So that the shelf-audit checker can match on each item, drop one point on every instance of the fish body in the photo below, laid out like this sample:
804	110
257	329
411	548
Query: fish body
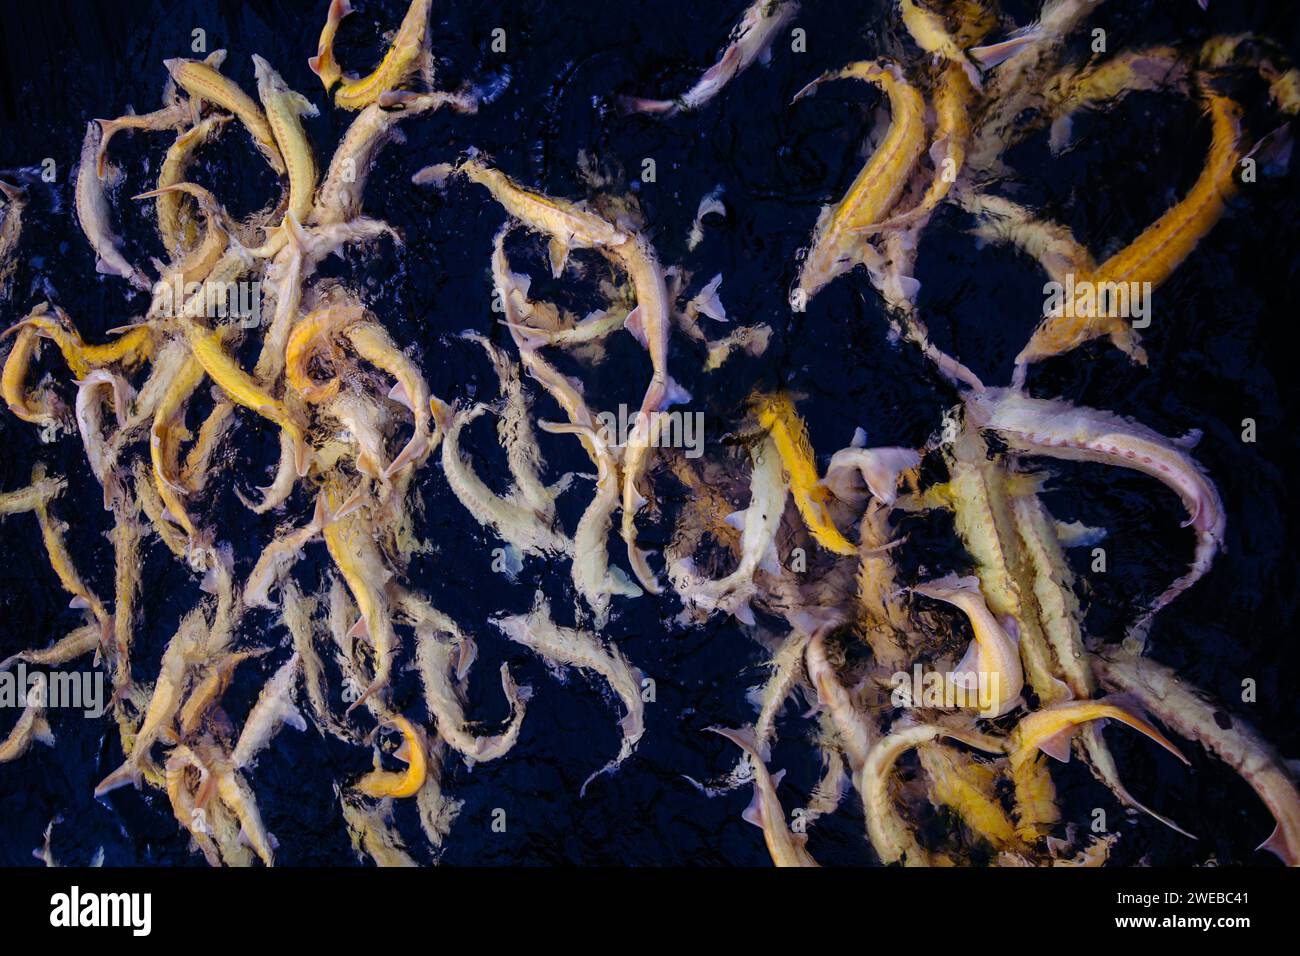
385	783
838	244
372	342
405	55
242	389
100	453
593	577
766	812
777	416
1155	254
567	647
1193	715
96	217
177	233
519	525
993	658
274	708
1057	429
284	111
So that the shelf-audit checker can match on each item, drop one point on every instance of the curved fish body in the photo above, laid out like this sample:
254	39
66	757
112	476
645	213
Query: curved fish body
1051	728
593	577
1057	429
751	40
371	831
766	812
96	216
892	838
198	263
56	547
856	734
567	647
166	434
954	102
838	244
415	751
1153	256
571	225
405	55
991	666
650	323
310	336
99	452
436	659
1193	715
355	553
32	725
182	651
519	525
758	524
279	557
344	184
567	392
205	83
284	111
274	709
177	232
515	429
173	116
372	342
931	35
129	349
777	416
242	389
44	407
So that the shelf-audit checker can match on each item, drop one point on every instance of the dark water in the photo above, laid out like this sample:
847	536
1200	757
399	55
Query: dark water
1217	350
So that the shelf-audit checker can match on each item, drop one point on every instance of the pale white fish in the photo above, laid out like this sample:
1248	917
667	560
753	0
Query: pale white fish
100	452
438	660
366	421
593	577
751	40
1057	429
993	658
710	204
758	524
766	812
786	666
275	708
855	731
96	217
281	487
518	525
515	429
567	647
338	199
278	558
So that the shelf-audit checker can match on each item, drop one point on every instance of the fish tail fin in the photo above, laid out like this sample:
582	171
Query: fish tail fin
996	53
129	772
1126	710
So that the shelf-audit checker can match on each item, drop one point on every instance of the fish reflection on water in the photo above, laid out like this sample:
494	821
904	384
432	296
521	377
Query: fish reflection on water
961	686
